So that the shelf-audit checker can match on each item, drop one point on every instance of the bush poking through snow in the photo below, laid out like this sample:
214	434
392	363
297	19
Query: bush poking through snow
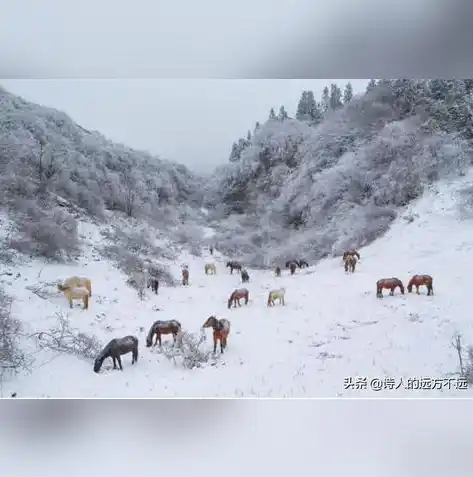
188	351
12	359
465	359
64	339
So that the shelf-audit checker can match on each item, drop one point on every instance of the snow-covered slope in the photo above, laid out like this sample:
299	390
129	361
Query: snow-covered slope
332	327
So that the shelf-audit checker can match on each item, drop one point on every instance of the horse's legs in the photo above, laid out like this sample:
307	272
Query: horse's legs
417	289
282	301
70	302
215	344
120	362
114	362
238	301
430	290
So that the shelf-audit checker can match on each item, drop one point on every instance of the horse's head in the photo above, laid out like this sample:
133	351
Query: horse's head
98	364
210	322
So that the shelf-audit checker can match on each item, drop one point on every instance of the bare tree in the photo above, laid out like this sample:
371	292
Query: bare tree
48	166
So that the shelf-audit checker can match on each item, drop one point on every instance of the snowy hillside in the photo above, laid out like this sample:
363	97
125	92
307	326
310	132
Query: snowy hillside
332	327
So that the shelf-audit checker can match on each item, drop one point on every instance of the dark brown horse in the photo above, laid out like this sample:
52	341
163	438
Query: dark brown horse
288	263
185	276
303	264
352	252
154	284
278	271
419	280
245	278
116	348
390	284
160	328
350	263
233	265
211	250
237	295
221	330
292	267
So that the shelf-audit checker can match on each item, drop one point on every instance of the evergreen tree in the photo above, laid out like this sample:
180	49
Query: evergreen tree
234	153
325	100
272	114
249	136
302	108
257	127
335	97
282	114
371	85
348	93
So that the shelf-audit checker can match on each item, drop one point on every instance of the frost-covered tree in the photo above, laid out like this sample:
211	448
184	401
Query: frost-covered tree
272	114
282	116
371	85
302	111
335	97
325	103
249	136
347	93
257	127
234	153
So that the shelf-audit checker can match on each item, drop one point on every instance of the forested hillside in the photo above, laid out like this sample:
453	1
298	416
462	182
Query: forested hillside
340	172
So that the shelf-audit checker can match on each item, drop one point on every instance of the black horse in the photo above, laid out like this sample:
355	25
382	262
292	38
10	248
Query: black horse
234	266
154	284
116	348
245	278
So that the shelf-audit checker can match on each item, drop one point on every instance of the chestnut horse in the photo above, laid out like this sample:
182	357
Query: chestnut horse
221	330
390	284
278	271
419	280
350	263
210	269
234	266
237	295
154	284
352	252
116	348
245	278
75	293
275	295
185	276
159	328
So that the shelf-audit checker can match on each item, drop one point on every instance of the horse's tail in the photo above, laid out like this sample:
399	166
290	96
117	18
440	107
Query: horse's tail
86	301
247	295
269	298
409	285
230	299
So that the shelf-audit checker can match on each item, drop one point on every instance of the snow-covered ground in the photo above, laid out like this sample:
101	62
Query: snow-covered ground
333	327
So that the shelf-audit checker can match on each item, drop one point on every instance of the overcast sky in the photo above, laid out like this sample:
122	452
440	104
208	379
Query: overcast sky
189	121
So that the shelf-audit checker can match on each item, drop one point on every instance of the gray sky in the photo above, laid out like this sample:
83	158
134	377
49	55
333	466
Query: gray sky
192	121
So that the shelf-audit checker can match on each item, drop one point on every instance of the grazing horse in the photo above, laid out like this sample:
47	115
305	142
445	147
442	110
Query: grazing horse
237	295
210	269
276	295
352	252
77	293
185	276
292	267
234	266
419	280
211	250
78	282
288	263
159	328
154	284
390	284
245	278
278	271
116	348
221	330
303	264
350	263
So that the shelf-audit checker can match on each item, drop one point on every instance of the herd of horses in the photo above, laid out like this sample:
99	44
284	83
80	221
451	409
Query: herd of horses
80	288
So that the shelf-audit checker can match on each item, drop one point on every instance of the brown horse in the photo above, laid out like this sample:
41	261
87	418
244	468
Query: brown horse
237	295
233	265
221	330
154	284
159	328
419	280
278	271
352	252
350	263
185	276
390	284
78	282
